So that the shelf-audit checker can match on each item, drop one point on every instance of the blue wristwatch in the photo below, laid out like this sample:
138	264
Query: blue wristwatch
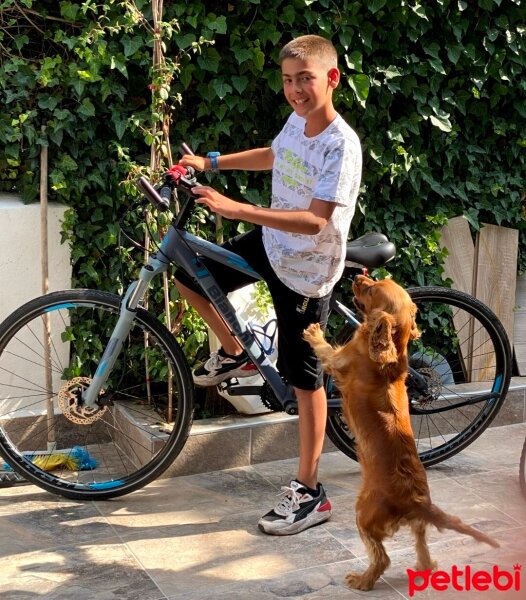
213	160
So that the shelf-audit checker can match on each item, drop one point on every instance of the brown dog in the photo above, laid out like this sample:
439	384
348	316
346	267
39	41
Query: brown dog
370	372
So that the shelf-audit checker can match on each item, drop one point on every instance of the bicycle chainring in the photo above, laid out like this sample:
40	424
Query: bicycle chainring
68	401
269	399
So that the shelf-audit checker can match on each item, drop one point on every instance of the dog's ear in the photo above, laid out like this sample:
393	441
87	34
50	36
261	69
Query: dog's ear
381	345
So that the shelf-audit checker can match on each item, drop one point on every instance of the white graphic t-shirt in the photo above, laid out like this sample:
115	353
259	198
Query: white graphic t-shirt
325	167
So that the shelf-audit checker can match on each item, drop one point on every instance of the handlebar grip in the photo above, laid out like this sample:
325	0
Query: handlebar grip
186	149
166	195
146	187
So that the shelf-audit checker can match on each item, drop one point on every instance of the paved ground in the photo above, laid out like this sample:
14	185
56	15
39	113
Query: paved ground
195	537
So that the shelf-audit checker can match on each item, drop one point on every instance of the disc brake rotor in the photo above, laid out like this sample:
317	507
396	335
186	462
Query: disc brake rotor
68	401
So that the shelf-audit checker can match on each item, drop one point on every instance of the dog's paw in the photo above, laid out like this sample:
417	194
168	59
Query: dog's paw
357	581
432	566
313	333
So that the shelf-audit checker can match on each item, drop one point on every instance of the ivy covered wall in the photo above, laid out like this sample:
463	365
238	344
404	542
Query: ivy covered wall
436	92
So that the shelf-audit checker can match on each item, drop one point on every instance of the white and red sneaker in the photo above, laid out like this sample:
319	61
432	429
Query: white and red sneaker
221	366
296	511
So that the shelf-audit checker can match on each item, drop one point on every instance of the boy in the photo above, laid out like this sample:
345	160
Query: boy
298	248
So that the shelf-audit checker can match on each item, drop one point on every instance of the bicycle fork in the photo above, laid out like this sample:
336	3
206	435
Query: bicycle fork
130	302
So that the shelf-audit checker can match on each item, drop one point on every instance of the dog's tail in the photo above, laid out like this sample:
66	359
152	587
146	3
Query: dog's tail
441	520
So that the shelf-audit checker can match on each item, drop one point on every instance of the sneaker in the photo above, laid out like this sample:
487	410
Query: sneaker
220	366
297	510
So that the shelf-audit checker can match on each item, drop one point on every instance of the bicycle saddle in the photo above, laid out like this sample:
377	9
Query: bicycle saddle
371	250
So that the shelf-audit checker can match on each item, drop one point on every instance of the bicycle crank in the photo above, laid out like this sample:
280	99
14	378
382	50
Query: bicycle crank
68	400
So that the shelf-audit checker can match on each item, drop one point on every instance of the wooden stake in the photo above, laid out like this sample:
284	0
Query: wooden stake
44	254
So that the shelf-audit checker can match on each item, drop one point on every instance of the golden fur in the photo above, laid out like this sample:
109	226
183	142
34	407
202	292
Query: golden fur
370	372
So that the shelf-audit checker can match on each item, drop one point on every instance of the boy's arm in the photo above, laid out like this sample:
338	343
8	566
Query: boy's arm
309	221
258	159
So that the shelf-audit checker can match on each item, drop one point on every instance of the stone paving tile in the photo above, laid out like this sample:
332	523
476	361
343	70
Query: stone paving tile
459	553
31	519
232	550
196	537
501	488
189	499
322	582
101	571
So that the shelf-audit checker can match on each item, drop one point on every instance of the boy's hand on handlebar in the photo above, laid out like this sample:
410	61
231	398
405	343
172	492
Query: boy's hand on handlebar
215	201
199	163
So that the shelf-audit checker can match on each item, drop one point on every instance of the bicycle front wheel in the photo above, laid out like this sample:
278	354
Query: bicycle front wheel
463	359
49	350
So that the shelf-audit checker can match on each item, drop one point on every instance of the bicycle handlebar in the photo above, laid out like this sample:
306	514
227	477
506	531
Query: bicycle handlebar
177	177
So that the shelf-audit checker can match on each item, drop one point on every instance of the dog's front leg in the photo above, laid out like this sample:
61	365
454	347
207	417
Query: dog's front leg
324	351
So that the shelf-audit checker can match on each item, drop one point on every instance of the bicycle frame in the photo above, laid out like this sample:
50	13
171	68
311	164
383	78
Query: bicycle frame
184	249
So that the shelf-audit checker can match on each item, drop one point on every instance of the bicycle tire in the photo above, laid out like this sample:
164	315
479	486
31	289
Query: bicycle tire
467	358
130	436
522	470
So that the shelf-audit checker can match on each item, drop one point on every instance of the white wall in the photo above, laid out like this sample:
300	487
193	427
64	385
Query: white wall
20	255
22	381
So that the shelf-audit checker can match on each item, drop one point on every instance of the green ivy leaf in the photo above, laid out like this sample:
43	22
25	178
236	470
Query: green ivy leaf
131	44
354	60
258	58
86	108
453	53
275	80
186	75
242	54
240	83
442	122
217	24
221	88
360	86
209	61
184	40
375	5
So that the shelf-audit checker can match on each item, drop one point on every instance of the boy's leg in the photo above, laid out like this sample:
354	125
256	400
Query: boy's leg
230	360
312	411
211	317
303	503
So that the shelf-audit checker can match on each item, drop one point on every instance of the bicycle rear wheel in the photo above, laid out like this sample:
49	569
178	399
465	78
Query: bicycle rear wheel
49	350
464	358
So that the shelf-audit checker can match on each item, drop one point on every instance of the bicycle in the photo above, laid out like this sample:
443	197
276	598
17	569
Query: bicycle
92	369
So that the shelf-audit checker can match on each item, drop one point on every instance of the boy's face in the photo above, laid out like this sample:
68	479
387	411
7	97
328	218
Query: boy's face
308	85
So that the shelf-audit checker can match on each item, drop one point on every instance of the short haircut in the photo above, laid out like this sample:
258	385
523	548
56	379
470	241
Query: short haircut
311	46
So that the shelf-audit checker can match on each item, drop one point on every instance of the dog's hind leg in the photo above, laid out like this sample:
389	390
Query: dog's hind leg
423	558
378	559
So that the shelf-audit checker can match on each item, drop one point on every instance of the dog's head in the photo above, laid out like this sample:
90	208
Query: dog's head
389	317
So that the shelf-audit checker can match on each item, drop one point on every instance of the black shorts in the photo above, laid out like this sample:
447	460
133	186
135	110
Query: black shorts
297	363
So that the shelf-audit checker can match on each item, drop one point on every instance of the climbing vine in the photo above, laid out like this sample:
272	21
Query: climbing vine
436	92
